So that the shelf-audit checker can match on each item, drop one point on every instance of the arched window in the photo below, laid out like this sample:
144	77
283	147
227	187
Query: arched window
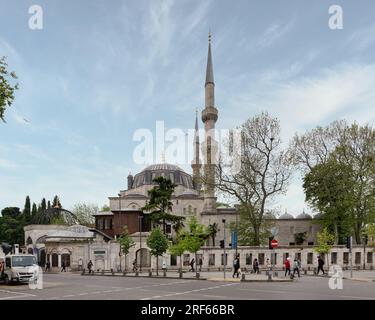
29	241
189	208
55	260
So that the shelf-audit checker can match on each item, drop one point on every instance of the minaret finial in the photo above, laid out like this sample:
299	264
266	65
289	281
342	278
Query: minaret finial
163	157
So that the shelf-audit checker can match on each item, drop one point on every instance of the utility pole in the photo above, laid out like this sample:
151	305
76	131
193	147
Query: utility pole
225	255
140	243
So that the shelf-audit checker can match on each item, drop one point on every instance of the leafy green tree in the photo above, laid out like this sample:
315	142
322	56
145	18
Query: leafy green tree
105	208
160	204
370	232
27	210
7	88
325	241
126	242
194	238
11	226
158	244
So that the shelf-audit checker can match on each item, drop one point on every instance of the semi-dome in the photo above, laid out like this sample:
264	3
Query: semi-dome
304	215
166	170
286	216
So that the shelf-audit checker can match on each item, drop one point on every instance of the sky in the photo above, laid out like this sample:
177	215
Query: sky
100	70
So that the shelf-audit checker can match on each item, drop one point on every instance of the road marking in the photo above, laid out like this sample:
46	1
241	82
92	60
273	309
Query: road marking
188	292
20	295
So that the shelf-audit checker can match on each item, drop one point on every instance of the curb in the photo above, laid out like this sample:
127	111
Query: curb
360	279
148	277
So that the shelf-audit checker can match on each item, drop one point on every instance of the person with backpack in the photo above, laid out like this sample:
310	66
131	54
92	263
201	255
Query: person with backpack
296	266
236	266
287	266
320	265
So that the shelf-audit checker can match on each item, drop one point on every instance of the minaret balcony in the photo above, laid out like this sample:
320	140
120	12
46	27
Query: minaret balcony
209	113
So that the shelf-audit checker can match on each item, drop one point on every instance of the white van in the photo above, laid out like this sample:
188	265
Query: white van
20	268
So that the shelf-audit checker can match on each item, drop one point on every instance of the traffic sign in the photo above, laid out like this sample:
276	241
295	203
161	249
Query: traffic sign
274	243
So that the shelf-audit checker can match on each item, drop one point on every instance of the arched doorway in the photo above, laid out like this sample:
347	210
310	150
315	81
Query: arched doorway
55	260
65	258
143	258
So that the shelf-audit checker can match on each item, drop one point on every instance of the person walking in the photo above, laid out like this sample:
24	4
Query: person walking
192	265
268	264
200	262
63	267
287	266
256	266
296	266
89	266
320	265
48	267
236	266
134	265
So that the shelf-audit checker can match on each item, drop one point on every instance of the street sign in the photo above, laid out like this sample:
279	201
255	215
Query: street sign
234	240
274	243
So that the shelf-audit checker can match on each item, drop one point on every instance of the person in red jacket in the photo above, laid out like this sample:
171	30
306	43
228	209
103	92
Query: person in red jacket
287	266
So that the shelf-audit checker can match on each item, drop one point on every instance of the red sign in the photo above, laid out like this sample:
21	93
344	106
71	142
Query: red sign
274	243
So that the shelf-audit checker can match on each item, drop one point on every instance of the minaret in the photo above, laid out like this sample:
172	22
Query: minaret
196	165
209	118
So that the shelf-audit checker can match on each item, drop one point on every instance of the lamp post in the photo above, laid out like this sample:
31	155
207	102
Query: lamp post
140	242
225	257
120	255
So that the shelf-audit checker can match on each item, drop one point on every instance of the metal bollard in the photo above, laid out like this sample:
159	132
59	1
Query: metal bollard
197	275
136	273
164	273
242	276
180	274
150	273
83	272
276	274
269	277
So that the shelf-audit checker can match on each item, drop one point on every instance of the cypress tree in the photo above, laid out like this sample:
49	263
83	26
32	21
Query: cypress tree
34	213
27	210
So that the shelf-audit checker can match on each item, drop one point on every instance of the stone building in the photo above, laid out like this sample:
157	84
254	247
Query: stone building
77	245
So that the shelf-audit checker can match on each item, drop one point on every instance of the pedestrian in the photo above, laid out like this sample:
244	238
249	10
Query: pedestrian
192	265
287	266
48	266
320	264
256	266
268	264
164	266
134	265
200	262
89	266
296	266
236	266
63	266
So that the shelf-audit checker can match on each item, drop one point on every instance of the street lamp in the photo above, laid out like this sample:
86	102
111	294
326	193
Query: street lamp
225	257
119	198
140	242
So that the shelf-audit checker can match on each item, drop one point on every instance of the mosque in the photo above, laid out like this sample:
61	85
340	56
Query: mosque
77	245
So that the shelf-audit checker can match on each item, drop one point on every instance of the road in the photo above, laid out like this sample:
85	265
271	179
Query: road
74	286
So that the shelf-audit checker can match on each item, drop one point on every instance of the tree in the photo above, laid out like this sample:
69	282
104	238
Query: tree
27	210
126	242
11	226
325	241
300	237
49	204
213	229
370	232
34	213
7	88
194	238
347	151
105	208
158	244
160	203
260	170
85	213
178	249
43	205
327	190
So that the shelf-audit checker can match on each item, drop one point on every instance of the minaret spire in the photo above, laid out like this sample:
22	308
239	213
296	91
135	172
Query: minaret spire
210	69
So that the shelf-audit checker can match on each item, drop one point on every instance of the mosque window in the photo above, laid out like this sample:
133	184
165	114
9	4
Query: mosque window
334	258
211	259
168	228
357	258
186	259
249	259
369	257
310	258
346	258
224	262
189	208
261	259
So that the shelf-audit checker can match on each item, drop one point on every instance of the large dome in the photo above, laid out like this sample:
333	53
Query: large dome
166	170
